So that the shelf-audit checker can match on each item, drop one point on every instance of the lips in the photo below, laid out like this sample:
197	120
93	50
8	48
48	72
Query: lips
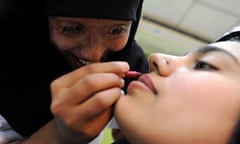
145	79
79	62
84	62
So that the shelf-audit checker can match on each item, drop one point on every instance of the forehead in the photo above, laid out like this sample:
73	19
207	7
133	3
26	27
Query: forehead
230	46
89	21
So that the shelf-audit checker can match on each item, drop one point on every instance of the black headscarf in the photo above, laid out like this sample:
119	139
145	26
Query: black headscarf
28	61
28	65
103	9
107	9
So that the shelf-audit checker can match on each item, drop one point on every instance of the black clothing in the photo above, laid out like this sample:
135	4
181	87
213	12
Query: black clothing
121	141
104	9
29	62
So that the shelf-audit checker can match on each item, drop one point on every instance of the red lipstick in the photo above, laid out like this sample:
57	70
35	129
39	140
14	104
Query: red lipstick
132	74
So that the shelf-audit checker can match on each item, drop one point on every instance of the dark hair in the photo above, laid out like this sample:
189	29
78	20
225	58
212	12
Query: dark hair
233	35
235	138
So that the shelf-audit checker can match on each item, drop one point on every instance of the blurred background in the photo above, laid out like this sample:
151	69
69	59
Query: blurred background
176	26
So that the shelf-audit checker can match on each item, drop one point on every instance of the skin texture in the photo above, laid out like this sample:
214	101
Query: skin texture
67	111
190	99
90	40
82	100
82	104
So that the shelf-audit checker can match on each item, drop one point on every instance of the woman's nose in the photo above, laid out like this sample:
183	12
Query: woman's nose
95	48
161	64
95	54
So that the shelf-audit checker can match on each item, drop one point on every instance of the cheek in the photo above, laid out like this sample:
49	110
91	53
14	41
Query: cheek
135	117
202	85
203	89
62	43
118	44
196	105
210	99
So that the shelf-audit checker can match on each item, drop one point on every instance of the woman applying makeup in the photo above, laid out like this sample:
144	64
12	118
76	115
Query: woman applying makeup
62	69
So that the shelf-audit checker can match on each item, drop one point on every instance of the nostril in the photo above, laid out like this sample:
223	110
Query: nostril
154	67
161	66
166	61
155	64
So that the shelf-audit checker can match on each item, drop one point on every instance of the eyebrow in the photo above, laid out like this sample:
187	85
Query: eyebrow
207	49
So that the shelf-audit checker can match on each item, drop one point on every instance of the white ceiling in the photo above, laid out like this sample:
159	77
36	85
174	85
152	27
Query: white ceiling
205	19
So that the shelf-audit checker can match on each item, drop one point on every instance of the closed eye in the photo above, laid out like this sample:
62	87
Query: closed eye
201	65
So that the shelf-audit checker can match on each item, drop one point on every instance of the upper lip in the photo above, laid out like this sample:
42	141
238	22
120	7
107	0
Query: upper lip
145	78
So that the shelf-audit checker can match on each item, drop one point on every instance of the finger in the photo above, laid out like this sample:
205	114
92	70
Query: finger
69	79
93	115
87	87
100	102
94	126
82	91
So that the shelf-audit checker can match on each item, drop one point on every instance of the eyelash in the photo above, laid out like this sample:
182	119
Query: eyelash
75	29
201	65
71	29
116	31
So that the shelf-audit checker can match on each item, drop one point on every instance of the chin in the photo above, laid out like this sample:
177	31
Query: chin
132	128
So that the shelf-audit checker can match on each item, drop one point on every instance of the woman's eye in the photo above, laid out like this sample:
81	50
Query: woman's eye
71	29
116	31
200	65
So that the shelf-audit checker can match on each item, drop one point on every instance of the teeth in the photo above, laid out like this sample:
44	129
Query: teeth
85	62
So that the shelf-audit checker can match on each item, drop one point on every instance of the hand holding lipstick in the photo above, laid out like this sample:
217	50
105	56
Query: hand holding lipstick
132	74
83	98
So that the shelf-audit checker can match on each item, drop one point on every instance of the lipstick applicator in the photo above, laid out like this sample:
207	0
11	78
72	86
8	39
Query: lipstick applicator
132	74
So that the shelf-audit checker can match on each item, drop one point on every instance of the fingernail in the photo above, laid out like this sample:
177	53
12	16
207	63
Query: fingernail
122	93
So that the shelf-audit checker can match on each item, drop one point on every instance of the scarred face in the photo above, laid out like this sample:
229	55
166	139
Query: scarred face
87	40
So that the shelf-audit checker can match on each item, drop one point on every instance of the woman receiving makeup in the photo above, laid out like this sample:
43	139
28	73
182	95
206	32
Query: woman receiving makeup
190	99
